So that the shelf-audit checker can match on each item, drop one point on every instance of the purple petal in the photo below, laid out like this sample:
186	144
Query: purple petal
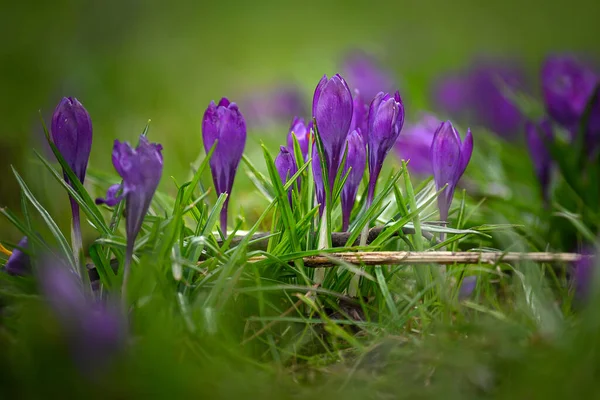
302	133
355	162
19	263
467	286
541	158
317	94
445	161
465	154
414	144
112	199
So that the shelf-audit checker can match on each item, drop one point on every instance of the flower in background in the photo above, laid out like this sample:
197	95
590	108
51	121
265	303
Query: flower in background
449	159
141	170
18	262
72	134
360	112
479	93
467	286
583	274
535	134
285	163
355	163
302	133
226	124
94	330
332	109
318	178
365	74
272	106
415	143
386	118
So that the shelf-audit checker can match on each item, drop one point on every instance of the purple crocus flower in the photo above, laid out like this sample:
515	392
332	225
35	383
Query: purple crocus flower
18	262
415	142
386	118
467	286
141	170
318	178
451	94
302	133
366	75
449	159
332	109
355	163
264	107
226	124
542	161
567	86
285	163
360	113
94	330
72	134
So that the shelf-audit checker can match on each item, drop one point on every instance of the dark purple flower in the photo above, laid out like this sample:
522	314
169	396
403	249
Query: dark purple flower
386	118
360	113
94	330
467	286
285	163
567	86
72	134
366	75
141	170
415	143
540	156
449	159
355	162
332	109
302	133
318	178
19	263
226	124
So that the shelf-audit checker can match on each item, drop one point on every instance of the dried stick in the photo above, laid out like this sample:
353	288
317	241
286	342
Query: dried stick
431	257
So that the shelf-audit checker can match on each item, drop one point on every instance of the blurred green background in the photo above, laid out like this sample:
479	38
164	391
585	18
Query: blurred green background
130	61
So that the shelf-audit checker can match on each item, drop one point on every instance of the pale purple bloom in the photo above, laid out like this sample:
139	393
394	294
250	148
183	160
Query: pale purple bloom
415	143
19	263
141	170
355	163
386	118
536	134
449	159
302	133
365	74
332	109
285	163
467	286
273	105
318	178
226	124
94	330
72	134
451	94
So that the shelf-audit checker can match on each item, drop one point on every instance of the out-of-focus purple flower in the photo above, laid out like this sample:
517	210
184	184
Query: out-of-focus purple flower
226	124
451	94
415	143
583	274
332	109
356	160
141	170
285	163
360	113
365	74
449	159
318	178
302	133
542	161
386	118
567	86
72	134
467	286
19	263
95	331
276	105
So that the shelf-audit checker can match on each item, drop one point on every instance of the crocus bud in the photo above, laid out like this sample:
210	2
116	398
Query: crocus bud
567	86
386	118
355	163
72	134
226	124
318	178
449	159
302	133
332	108
542	161
19	263
141	170
366	75
285	163
94	330
415	142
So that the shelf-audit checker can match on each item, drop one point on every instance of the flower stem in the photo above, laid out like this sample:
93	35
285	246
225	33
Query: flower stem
77	244
126	272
